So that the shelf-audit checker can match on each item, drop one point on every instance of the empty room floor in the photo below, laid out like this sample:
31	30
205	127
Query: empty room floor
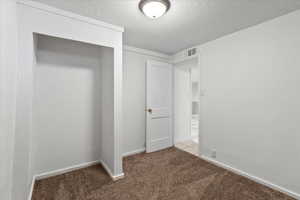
170	174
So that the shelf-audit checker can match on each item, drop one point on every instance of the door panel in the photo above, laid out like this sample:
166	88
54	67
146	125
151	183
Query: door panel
159	106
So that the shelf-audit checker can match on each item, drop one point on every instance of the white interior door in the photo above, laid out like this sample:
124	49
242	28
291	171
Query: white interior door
159	106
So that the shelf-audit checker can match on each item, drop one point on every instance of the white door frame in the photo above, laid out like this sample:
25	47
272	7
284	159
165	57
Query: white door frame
200	96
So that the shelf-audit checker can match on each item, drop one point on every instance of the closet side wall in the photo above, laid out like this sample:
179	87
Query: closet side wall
107	108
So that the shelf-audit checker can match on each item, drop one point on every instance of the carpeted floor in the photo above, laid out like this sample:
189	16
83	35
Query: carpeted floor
170	174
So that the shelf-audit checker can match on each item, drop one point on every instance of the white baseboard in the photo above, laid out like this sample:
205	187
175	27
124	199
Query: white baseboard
113	177
65	170
134	152
69	169
31	188
254	178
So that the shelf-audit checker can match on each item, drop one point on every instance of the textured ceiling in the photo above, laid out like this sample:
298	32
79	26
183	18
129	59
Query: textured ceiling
188	22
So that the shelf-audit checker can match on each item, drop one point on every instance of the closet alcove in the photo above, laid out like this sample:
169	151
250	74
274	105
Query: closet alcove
73	103
69	95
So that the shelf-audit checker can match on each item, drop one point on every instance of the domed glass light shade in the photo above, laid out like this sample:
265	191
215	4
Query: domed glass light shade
154	8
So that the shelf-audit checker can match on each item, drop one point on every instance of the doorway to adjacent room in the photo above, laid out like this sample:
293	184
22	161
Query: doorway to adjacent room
187	105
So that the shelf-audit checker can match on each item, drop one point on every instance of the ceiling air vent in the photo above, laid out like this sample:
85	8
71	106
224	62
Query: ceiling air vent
192	52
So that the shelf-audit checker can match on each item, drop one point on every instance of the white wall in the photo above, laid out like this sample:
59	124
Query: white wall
107	108
250	111
8	63
3	135
134	99
67	104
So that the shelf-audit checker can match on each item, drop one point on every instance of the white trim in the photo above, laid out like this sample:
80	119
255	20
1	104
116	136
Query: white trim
130	153
68	14
65	170
118	110
251	177
113	177
146	52
31	187
200	136
70	169
182	59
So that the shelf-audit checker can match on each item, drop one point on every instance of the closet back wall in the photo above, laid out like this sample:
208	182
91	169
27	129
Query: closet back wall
67	104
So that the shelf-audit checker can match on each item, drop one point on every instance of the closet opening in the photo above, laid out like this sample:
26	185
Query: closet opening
73	104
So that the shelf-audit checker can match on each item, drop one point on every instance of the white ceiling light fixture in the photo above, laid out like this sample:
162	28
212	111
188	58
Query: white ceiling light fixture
154	8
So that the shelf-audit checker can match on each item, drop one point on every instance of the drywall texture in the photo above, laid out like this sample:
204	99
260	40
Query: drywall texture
134	100
250	112
8	64
73	104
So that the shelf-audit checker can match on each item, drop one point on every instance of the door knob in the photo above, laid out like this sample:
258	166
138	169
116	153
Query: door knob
149	110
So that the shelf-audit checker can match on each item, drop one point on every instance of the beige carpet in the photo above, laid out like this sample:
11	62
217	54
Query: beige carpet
170	174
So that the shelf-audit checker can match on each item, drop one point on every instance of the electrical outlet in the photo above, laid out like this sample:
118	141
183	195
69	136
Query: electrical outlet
214	153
